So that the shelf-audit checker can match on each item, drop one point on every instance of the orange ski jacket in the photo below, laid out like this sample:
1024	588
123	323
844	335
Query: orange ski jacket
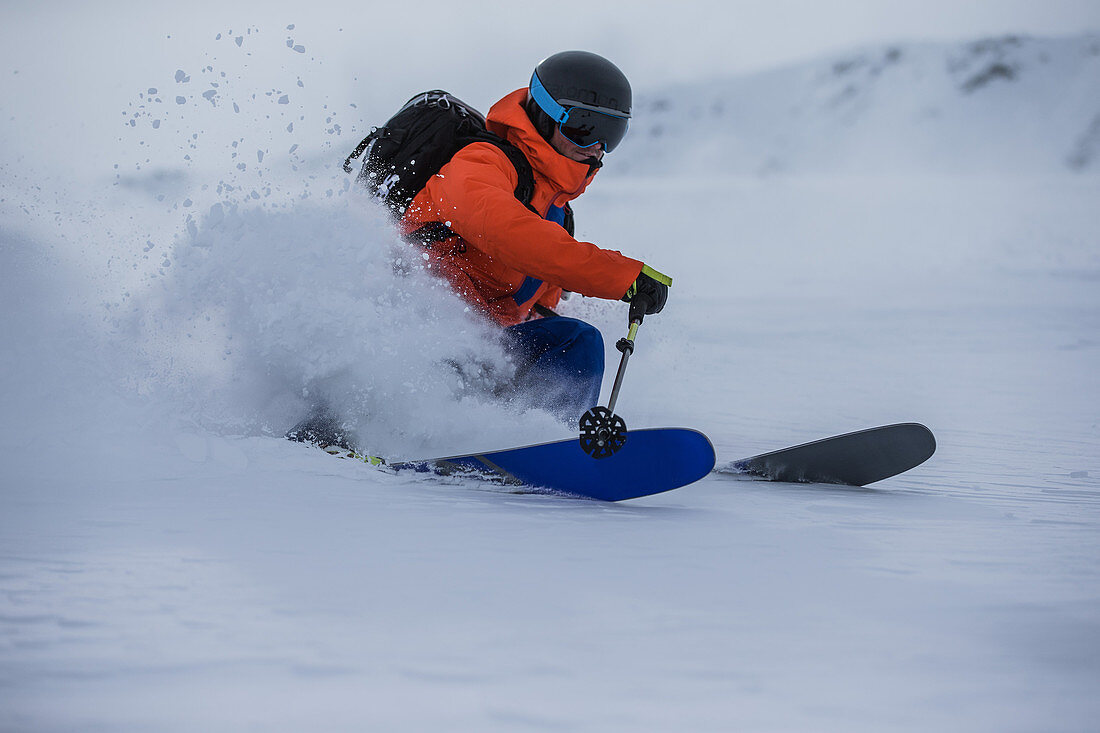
506	257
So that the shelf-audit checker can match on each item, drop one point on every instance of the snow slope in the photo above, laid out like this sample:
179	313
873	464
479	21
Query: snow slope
168	562
1006	106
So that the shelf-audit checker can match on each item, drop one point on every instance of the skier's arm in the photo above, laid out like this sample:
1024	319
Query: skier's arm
473	195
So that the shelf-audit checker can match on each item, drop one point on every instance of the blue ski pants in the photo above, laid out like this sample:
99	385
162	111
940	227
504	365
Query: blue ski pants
559	364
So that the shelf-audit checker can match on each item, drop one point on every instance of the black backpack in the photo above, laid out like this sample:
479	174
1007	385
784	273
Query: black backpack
403	154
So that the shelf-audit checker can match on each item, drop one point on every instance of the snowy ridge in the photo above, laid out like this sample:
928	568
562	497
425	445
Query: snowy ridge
1012	105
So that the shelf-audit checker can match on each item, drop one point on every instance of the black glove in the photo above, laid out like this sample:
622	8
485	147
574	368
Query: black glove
647	294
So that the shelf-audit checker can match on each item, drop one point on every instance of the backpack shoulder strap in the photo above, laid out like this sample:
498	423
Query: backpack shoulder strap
525	188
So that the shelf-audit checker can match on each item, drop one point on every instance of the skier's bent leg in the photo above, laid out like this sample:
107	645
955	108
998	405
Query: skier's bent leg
559	364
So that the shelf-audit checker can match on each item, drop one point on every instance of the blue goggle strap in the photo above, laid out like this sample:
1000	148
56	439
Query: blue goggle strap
548	104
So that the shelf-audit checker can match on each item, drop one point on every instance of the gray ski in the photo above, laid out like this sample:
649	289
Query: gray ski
856	459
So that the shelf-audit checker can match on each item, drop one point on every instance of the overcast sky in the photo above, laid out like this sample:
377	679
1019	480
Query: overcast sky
659	40
656	41
663	40
67	59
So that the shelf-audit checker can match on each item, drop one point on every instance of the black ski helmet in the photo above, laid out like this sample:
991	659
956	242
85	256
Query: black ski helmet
583	94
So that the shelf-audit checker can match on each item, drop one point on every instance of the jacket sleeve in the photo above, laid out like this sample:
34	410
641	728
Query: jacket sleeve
473	194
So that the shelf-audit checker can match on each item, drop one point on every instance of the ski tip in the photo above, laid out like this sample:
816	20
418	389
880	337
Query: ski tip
856	459
921	436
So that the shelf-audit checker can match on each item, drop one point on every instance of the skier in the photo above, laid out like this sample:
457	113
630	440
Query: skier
512	262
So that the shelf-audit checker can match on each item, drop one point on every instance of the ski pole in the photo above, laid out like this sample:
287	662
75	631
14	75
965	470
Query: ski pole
626	346
602	431
638	307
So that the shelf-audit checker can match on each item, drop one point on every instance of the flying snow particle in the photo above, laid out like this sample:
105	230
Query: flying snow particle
181	100
285	99
182	77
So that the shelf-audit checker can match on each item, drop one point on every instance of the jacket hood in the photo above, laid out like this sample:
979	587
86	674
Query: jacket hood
509	119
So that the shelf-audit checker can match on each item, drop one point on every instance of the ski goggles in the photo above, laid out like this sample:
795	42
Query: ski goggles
582	124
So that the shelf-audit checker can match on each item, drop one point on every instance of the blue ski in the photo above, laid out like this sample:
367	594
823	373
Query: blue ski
650	461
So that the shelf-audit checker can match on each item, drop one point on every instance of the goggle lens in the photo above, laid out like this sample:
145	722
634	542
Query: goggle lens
586	127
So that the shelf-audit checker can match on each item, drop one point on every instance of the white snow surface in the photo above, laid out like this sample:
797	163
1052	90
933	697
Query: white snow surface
911	251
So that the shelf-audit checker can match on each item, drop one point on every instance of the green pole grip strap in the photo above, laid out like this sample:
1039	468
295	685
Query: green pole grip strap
658	276
633	330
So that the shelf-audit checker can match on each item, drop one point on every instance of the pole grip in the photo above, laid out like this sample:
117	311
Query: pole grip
639	304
